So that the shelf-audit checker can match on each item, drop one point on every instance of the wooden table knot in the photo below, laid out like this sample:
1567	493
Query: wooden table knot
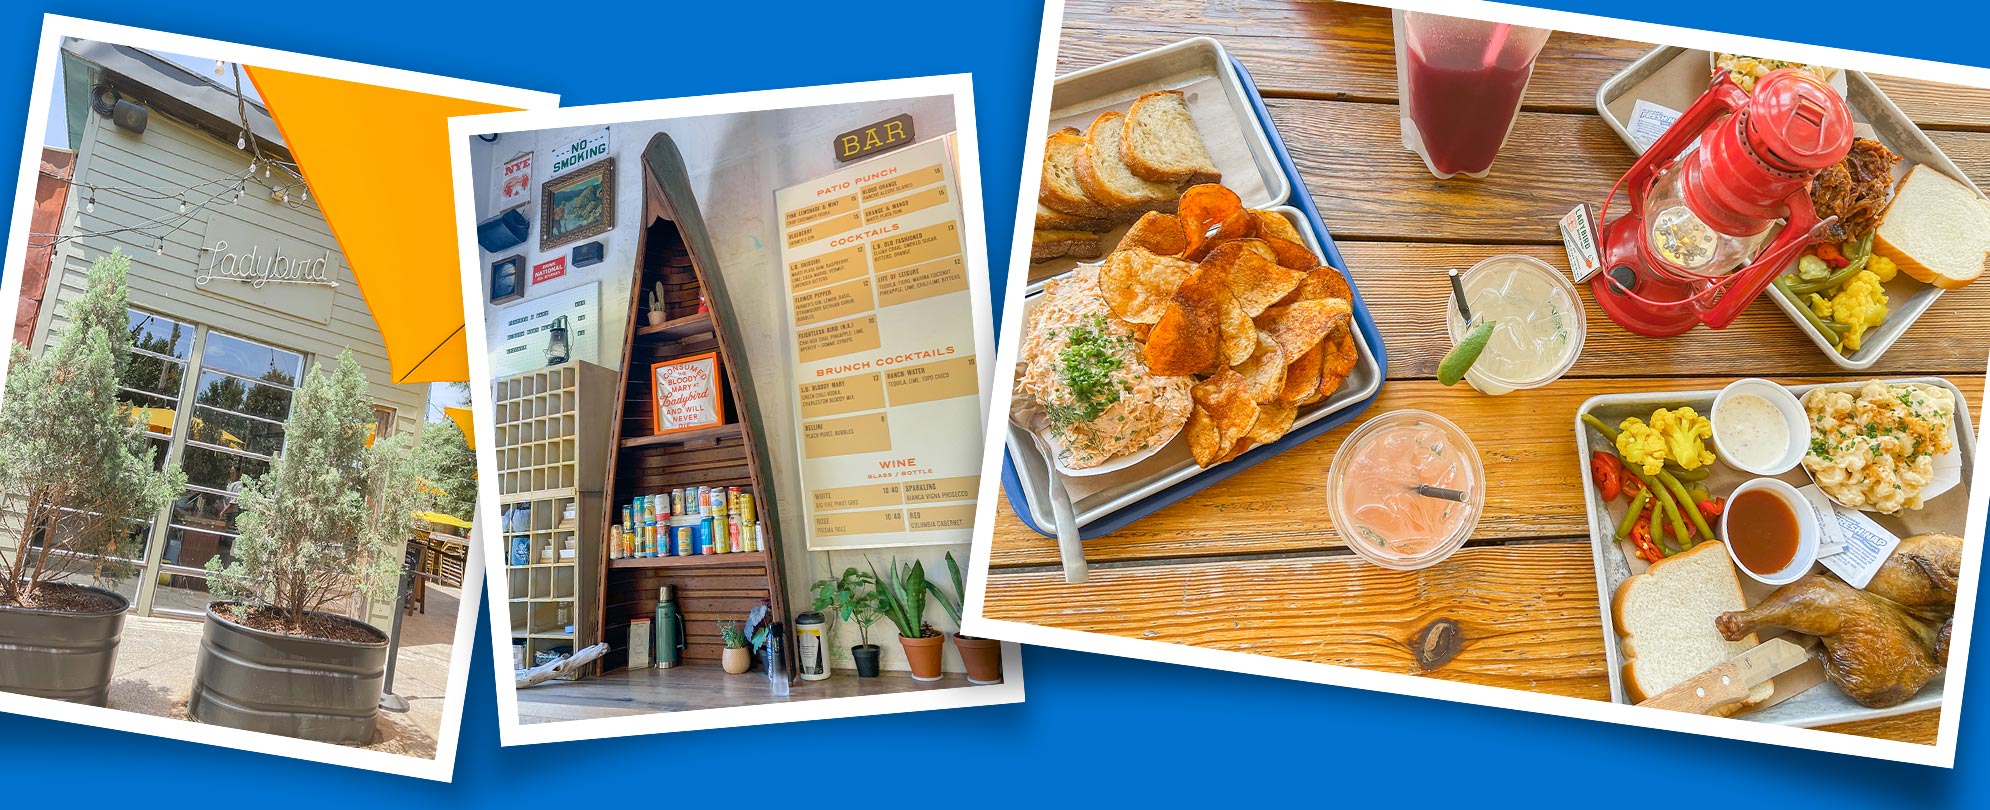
1437	643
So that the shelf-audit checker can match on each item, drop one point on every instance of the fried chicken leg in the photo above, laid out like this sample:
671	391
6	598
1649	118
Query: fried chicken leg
1873	650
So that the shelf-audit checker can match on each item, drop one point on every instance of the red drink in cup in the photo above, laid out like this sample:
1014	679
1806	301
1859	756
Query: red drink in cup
1461	83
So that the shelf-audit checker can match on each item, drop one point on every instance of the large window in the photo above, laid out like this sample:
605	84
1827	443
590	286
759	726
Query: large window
241	398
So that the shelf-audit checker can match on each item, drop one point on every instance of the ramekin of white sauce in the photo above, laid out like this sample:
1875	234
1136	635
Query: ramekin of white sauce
1759	427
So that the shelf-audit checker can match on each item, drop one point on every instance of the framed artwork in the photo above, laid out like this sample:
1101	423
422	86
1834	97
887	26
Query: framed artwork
508	279
687	394
577	205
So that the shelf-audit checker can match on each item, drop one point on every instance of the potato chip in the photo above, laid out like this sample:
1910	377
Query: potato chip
1237	449
1337	358
1138	284
1302	379
1205	291
1203	443
1239	225
1254	279
1298	327
1274	224
1274	421
1264	370
1229	405
1203	207
1183	341
1325	282
1290	254
1157	233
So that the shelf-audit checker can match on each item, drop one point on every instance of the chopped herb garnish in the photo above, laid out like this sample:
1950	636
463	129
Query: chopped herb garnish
1086	367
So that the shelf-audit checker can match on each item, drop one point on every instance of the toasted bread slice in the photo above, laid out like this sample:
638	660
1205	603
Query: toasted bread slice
1104	176
1046	245
1161	143
1060	190
1936	229
1051	219
1665	622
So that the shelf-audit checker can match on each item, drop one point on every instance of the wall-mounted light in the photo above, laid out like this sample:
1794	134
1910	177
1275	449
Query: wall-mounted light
503	231
130	117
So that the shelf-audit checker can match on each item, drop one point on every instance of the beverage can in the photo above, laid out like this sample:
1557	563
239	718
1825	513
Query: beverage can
718	501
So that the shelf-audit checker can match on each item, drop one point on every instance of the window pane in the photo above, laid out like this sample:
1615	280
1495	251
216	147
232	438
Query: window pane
266	400
236	431
154	374
215	469
251	360
192	546
159	414
160	335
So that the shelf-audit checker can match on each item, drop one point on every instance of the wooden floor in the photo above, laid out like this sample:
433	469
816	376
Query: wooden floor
1253	564
626	693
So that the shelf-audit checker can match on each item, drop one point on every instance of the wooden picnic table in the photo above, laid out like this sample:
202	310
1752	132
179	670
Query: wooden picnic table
1253	563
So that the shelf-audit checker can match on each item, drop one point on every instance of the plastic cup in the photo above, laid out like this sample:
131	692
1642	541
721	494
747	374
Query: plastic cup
1541	323
1372	489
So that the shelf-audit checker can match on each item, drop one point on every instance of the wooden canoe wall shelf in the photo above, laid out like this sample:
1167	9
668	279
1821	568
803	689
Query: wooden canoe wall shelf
676	250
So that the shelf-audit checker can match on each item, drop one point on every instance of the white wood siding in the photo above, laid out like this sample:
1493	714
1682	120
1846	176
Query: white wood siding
171	154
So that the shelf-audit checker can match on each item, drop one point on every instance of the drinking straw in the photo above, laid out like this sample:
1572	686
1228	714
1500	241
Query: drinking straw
1496	44
1429	491
1458	294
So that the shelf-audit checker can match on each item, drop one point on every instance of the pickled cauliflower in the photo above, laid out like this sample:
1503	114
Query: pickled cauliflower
1860	304
1678	435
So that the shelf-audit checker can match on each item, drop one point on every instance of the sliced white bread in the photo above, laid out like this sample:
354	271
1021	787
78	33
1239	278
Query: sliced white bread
1060	189
1046	245
1665	622
1051	219
1161	143
1104	175
1936	229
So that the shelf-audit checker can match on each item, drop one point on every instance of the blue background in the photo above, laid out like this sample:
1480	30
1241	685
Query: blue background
1094	728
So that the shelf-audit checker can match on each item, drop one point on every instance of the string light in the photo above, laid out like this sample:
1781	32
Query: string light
90	205
183	205
220	67
242	140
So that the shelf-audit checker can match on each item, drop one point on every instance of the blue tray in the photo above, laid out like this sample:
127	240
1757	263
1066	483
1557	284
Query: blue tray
1301	199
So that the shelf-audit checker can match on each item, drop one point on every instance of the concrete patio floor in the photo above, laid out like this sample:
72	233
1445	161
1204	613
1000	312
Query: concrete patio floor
156	657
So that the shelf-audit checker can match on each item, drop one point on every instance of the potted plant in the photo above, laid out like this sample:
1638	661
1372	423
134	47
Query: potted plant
854	598
324	526
904	600
656	305
738	656
76	473
982	656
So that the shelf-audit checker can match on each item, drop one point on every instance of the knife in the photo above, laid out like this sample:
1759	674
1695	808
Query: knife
1728	684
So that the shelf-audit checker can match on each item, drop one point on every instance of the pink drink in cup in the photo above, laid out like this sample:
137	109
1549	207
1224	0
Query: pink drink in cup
1461	82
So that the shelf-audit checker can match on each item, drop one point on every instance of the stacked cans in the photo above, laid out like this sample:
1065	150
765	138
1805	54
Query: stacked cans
692	520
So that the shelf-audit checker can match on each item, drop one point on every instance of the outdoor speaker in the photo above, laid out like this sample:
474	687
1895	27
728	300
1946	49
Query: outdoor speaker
503	231
587	254
130	117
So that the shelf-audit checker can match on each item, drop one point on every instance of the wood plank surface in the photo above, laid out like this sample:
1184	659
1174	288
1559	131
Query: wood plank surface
1347	52
1255	564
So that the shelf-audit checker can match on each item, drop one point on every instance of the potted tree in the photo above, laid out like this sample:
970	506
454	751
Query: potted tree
904	600
982	656
322	527
77	481
854	598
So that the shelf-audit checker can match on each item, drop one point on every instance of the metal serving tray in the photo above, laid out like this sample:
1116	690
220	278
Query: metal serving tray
1674	77
1172	464
1822	704
1223	110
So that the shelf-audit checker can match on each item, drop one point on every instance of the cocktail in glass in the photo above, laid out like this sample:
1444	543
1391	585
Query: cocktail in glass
1540	323
1374	497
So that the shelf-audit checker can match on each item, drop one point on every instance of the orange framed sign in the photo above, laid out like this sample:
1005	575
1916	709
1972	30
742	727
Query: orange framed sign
687	393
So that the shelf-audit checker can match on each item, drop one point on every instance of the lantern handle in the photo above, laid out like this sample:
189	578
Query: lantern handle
1723	97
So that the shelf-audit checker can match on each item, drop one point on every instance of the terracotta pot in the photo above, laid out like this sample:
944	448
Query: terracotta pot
308	688
737	660
983	657
59	655
924	656
656	317
866	658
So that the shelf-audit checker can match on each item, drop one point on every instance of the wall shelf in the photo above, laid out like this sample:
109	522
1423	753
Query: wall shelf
693	561
678	328
683	436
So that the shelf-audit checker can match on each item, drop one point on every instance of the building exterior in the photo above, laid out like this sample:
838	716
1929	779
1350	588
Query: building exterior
216	356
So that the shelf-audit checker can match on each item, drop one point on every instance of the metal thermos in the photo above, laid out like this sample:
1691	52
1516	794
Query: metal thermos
812	646
669	629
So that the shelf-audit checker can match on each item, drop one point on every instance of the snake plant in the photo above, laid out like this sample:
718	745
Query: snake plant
905	597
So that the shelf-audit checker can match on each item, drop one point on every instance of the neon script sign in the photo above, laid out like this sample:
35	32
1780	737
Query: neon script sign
257	268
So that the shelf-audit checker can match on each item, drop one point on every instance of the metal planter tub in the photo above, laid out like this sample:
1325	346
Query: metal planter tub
308	688
61	655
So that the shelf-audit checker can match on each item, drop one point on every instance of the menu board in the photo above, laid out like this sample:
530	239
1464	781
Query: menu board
882	321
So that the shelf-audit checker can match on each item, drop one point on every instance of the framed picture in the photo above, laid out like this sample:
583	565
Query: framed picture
508	279
687	393
577	205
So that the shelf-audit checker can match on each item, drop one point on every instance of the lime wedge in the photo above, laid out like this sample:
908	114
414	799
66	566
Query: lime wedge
1461	357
